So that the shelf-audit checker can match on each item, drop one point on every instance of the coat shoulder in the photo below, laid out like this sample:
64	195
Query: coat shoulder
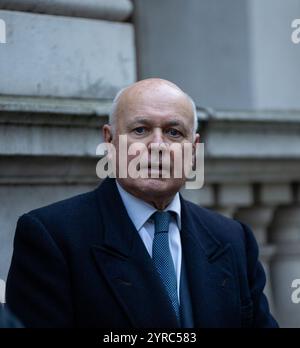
69	221
66	208
223	228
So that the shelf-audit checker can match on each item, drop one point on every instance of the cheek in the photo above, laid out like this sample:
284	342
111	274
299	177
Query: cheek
177	153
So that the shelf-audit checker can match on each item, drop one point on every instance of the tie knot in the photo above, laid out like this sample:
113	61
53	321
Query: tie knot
161	221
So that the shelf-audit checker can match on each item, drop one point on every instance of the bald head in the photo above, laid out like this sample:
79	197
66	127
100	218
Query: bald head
160	90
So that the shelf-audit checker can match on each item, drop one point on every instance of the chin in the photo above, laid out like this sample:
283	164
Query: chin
152	186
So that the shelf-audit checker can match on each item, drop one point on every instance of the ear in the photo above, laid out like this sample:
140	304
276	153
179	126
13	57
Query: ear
107	133
196	141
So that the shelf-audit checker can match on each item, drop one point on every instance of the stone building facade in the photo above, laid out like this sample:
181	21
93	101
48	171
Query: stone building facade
63	62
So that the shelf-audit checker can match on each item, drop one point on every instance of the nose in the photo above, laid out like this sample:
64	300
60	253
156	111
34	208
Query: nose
157	139
157	136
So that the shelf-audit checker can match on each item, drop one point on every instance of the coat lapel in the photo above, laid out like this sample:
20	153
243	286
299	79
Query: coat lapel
123	260
211	274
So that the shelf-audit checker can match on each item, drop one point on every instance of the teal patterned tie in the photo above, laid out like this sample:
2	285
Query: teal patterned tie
162	257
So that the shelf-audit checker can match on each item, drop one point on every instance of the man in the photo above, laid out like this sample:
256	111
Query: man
133	252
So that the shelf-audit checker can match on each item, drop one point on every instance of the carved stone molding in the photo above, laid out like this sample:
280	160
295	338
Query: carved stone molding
114	10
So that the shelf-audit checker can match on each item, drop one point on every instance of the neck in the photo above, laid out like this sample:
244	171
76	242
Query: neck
160	204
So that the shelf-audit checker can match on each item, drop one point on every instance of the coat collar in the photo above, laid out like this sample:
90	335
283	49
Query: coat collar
121	241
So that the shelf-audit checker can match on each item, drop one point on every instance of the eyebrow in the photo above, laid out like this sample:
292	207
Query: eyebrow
145	121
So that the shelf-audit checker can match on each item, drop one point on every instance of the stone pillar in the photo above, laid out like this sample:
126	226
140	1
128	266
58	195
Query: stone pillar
229	196
285	266
258	219
203	197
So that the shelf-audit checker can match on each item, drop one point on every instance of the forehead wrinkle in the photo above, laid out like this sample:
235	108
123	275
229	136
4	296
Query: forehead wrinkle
172	122
155	95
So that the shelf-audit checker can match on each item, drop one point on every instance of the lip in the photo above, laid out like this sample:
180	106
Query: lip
155	167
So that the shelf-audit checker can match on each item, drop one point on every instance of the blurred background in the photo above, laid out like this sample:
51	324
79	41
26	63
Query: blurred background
64	61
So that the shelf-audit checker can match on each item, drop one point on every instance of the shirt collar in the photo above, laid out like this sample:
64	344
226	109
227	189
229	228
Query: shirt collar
139	211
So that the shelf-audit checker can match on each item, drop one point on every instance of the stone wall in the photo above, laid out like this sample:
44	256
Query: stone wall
63	62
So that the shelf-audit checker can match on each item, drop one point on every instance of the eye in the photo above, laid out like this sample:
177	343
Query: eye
140	130
174	133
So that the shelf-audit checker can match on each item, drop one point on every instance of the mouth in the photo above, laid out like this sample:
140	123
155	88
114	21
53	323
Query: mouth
155	170
155	167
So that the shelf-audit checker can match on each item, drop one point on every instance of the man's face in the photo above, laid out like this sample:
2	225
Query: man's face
163	116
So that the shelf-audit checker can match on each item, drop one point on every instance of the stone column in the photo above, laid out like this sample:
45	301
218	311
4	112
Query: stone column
285	267
229	196
202	197
258	219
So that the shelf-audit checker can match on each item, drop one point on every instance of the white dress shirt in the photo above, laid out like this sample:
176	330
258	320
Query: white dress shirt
140	212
